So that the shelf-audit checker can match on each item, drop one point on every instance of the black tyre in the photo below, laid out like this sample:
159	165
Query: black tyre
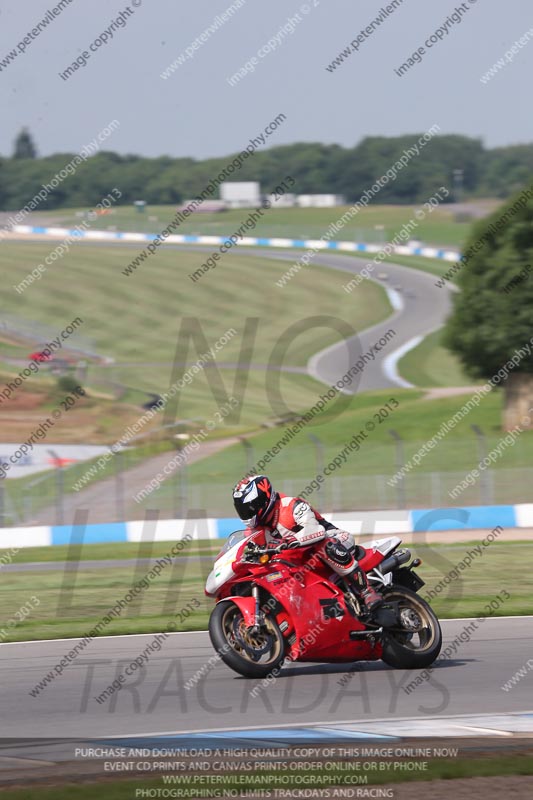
417	641
254	655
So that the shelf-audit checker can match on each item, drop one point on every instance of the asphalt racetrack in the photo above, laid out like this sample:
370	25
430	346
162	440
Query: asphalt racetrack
155	700
420	307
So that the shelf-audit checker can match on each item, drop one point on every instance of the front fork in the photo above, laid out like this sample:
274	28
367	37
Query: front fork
259	617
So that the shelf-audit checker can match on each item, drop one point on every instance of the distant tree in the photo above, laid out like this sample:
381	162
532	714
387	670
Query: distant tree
506	169
492	319
24	146
316	168
3	193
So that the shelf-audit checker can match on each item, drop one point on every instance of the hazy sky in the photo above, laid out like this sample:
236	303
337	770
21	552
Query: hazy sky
195	112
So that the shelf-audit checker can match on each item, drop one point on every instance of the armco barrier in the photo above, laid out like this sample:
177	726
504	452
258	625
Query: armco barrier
376	523
252	241
470	517
89	534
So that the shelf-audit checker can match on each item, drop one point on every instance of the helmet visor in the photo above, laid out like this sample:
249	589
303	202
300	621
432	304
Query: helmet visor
248	509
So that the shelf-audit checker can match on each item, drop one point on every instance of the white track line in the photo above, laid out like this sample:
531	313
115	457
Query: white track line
396	301
184	633
477	729
390	363
395	298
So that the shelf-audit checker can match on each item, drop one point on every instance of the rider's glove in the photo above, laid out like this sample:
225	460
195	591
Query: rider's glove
290	542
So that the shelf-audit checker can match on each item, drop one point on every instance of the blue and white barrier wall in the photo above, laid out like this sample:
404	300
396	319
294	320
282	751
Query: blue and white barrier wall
307	244
375	523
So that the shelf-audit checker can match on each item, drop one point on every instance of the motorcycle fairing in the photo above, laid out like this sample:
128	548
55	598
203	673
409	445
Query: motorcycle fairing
321	635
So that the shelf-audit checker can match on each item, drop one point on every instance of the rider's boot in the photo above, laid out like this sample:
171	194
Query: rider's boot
371	599
343	561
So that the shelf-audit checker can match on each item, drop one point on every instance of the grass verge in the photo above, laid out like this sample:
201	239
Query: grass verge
491	765
431	364
373	224
134	318
72	600
361	480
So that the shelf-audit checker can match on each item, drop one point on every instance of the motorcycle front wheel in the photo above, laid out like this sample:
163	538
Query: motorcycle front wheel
253	654
416	640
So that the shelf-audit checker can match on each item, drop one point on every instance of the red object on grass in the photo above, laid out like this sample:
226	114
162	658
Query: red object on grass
40	356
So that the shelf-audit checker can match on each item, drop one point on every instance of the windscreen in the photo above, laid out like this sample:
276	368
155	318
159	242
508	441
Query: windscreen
233	539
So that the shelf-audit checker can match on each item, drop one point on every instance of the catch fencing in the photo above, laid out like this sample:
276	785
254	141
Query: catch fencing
370	477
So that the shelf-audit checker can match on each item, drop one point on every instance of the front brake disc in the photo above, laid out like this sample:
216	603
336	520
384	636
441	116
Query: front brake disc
255	651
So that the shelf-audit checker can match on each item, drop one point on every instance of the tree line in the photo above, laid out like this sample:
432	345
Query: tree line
459	162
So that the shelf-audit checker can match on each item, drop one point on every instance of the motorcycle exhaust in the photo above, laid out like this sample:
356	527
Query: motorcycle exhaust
393	562
363	634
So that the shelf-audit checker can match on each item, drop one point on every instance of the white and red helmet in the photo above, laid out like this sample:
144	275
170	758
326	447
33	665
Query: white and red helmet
254	500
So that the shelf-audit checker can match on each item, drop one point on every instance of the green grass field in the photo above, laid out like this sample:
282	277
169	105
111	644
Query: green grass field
373	224
72	601
136	320
431	364
360	481
109	552
488	764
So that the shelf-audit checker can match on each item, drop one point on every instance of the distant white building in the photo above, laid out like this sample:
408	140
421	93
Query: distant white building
282	201
241	194
320	200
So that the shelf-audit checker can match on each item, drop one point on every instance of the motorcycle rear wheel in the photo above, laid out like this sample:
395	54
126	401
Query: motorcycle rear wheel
417	643
253	655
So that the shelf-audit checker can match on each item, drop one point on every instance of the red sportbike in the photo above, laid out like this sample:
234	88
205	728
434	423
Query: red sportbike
284	604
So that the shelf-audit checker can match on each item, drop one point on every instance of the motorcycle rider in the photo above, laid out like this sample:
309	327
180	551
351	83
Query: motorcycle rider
293	521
